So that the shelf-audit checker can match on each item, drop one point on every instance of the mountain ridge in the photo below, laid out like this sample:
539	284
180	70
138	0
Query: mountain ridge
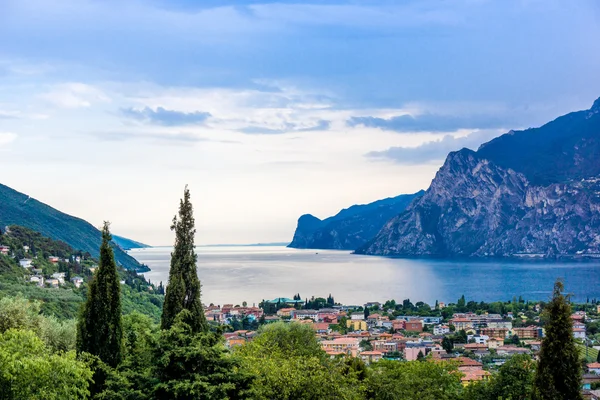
516	196
17	208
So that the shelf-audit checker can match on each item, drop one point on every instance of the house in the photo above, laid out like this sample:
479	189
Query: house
38	280
53	259
357	316
25	262
461	324
398	325
77	281
60	276
476	347
285	312
356	325
414	326
441	330
412	353
494	343
371	304
594	368
304	314
441	305
4	250
579	333
479	339
330	319
26	249
385	346
321	327
528	332
235	341
371	356
474	376
52	282
344	345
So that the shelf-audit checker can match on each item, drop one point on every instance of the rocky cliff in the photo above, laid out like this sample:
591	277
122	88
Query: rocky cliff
526	193
351	227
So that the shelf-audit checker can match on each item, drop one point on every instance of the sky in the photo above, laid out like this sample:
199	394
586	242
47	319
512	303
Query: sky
270	110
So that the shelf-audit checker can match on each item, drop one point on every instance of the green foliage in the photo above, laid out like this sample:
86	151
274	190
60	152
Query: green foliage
559	371
392	380
183	291
99	330
59	336
29	370
448	344
288	363
19	313
196	365
514	381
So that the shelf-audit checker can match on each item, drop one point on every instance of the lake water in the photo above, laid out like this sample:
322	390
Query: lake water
251	273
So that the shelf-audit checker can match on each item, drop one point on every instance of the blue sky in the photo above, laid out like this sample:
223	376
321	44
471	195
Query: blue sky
269	110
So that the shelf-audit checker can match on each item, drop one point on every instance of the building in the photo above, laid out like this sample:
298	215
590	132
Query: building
528	332
441	330
461	324
4	250
53	259
357	316
321	327
77	281
38	280
60	276
356	325
414	326
371	356
304	314
52	282
412	353
285	312
398	325
347	346
494	332
579	332
594	368
474	376
371	304
25	262
494	343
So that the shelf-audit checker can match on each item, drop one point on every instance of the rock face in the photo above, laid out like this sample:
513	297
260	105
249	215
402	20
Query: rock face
351	227
527	193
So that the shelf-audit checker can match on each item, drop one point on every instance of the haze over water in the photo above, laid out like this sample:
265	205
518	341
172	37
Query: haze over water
234	274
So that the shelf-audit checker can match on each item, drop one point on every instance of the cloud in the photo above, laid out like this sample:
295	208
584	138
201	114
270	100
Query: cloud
166	117
174	137
433	151
74	95
7	138
322	125
429	122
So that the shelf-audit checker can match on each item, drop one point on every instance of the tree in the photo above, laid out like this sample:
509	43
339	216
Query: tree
420	356
392	380
29	370
447	344
196	365
515	339
183	291
99	330
559	371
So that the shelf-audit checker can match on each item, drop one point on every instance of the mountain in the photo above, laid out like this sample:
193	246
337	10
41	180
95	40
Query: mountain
350	228
19	209
526	193
128	244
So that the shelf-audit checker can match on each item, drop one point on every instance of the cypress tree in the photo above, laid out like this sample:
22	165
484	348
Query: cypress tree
558	376
183	290
99	329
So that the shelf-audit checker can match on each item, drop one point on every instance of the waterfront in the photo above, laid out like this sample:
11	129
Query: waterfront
252	273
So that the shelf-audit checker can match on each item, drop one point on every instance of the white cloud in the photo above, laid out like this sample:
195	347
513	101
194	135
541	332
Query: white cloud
7	138
74	95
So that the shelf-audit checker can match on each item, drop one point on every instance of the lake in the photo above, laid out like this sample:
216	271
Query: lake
234	274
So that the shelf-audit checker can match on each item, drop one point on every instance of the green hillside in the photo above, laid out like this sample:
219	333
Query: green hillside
19	209
127	244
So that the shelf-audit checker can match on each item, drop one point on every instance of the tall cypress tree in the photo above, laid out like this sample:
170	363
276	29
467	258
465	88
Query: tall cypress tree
99	329
558	376
183	290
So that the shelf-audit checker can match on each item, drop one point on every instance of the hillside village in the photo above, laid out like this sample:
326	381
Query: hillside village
479	342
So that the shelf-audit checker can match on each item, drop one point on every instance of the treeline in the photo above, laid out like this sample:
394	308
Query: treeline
110	356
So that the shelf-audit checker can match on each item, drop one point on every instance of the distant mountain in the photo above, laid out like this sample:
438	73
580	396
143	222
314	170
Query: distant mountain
128	244
526	193
350	228
19	209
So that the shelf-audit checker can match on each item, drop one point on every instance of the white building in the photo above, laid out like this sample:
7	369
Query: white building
441	330
357	316
60	276
579	333
4	250
77	281
38	280
303	314
25	262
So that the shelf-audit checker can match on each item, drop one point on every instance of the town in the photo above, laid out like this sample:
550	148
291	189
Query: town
466	333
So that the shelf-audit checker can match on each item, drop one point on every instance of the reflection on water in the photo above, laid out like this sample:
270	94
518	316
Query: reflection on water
246	273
